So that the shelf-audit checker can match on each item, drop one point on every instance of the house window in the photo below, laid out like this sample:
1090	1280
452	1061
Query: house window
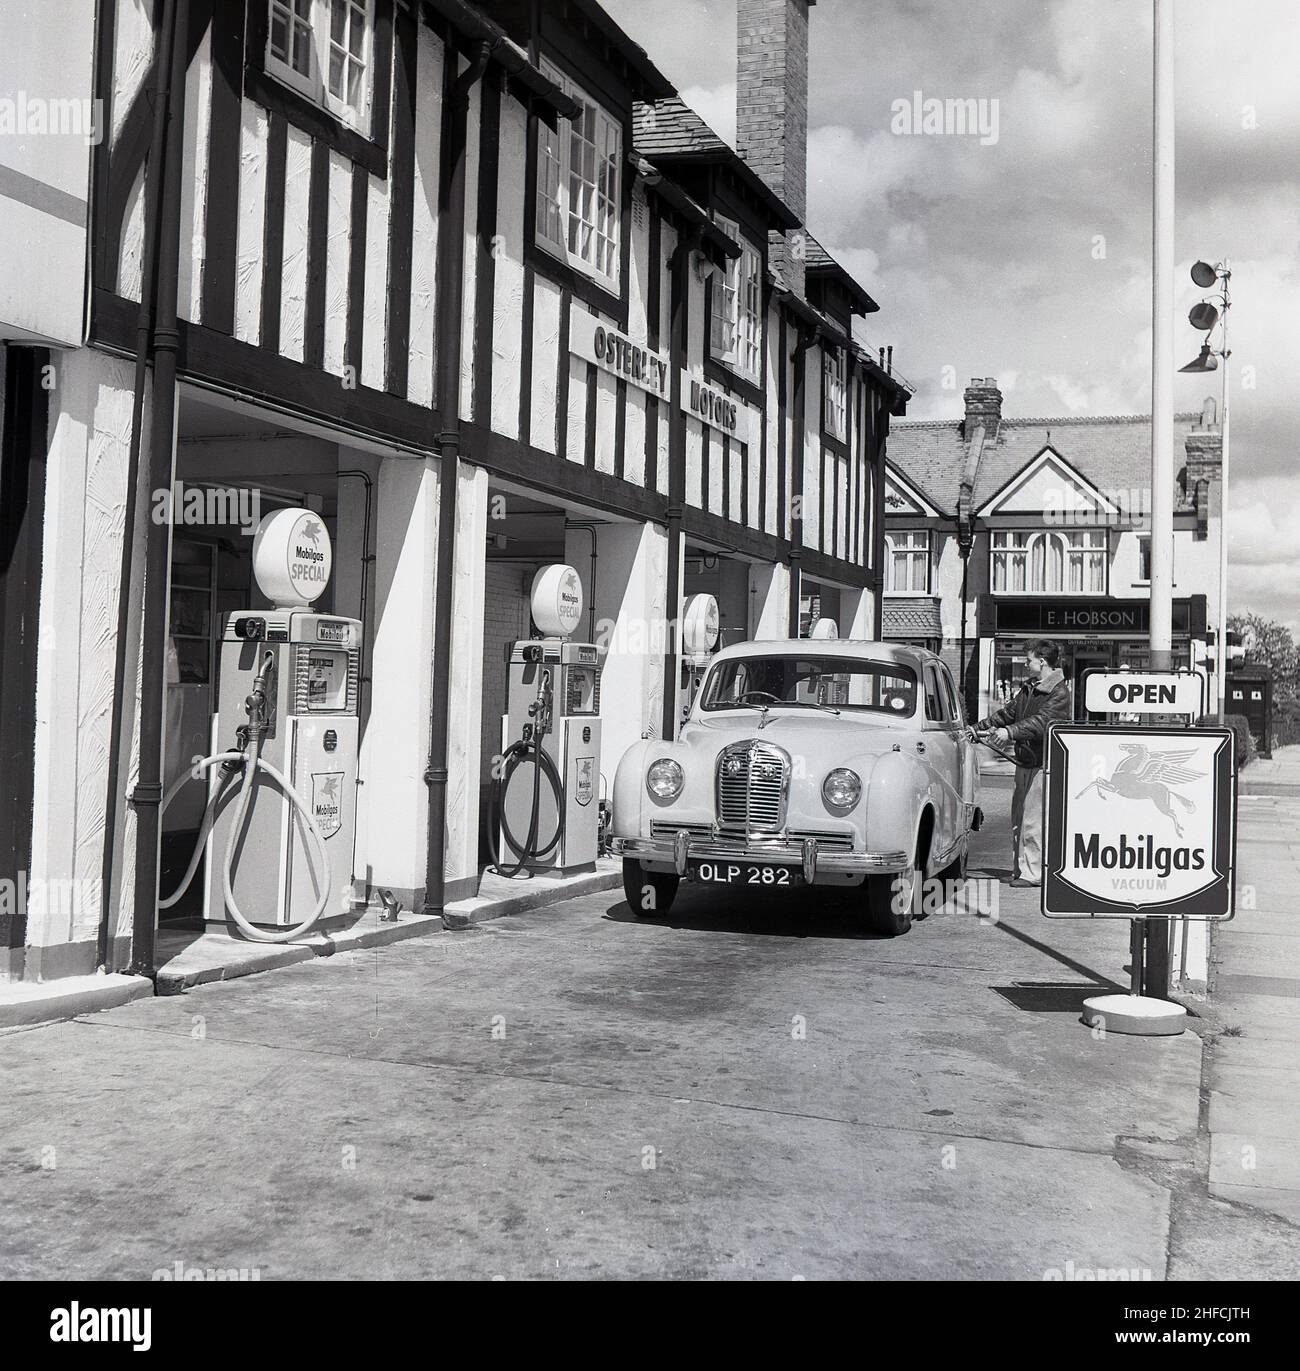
1144	560
579	180
1069	563
834	400
907	562
322	49
736	323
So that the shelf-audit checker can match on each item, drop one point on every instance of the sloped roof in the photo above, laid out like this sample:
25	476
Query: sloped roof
669	130
817	259
1111	451
911	617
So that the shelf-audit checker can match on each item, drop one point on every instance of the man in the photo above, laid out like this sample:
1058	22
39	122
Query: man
1044	699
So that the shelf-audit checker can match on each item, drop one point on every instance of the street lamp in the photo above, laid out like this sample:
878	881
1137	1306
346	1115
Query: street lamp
1205	316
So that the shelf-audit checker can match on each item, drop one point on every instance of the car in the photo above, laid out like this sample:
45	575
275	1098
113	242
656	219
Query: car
810	762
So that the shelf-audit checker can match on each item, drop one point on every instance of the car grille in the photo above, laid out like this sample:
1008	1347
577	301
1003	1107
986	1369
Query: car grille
751	782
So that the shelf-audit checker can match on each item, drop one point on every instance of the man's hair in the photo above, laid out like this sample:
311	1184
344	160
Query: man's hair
1048	649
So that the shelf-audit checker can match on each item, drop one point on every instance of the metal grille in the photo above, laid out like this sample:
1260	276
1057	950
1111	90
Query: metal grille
751	783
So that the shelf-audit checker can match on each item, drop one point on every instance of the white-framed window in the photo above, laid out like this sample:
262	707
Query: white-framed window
324	50
1069	562
579	187
835	414
736	317
1144	560
907	562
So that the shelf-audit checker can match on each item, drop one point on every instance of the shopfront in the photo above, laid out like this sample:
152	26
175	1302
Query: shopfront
1092	632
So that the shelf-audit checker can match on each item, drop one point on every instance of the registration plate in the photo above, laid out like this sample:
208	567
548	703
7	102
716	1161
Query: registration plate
746	873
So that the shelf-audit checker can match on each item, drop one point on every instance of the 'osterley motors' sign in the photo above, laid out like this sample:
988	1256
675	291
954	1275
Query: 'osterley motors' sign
615	352
1140	822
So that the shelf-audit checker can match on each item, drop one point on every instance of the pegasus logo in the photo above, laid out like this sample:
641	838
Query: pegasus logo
312	530
1148	775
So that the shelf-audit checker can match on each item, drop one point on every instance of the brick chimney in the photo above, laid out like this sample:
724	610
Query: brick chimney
772	109
1204	447
983	406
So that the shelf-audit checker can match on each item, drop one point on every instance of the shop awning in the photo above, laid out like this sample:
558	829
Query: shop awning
912	617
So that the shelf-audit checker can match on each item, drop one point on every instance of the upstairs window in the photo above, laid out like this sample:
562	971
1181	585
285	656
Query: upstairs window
736	316
834	396
322	49
1072	562
579	187
907	562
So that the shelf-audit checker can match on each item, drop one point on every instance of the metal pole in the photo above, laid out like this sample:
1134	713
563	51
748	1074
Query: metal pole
1136	941
1162	343
1221	652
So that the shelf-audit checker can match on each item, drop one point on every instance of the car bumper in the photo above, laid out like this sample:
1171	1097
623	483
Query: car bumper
676	853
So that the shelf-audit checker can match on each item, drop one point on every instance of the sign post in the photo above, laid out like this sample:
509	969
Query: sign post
1139	824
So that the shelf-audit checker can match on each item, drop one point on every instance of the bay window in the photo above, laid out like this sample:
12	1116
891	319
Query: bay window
579	184
322	49
1070	562
736	313
907	562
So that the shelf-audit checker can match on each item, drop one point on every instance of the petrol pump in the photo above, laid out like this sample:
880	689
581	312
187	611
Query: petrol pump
547	811
280	824
701	624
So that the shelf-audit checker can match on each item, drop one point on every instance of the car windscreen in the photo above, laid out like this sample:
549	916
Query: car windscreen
838	682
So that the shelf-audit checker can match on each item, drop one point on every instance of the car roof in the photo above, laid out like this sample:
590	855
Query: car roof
901	653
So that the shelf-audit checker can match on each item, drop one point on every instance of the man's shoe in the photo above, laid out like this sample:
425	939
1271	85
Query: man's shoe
1019	882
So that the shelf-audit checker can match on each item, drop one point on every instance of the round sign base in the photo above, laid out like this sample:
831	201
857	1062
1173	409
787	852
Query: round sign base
1138	1014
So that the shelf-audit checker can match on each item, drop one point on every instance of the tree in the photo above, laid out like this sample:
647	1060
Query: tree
1270	644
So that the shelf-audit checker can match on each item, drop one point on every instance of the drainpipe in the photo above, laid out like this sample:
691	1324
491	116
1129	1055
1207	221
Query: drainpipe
678	265
591	578
147	795
807	336
451	292
164	41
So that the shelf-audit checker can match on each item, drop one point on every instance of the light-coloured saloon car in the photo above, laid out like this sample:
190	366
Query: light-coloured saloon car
809	762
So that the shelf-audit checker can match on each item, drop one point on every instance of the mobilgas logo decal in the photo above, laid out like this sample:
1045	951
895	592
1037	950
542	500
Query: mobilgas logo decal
1139	820
309	556
327	801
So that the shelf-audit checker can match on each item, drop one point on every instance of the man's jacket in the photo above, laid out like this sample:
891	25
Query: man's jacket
1030	710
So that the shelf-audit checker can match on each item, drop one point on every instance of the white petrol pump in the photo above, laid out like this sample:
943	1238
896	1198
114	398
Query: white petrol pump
547	792
280	824
701	625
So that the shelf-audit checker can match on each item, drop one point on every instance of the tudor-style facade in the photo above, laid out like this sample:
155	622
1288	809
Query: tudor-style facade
1046	523
435	278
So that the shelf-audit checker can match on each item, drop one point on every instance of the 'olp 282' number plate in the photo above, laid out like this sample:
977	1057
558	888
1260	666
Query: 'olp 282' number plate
746	873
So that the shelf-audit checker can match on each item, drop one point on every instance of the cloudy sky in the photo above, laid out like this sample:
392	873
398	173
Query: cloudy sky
1029	258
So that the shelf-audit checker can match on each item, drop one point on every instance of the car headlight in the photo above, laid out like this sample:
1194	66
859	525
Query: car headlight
842	788
664	779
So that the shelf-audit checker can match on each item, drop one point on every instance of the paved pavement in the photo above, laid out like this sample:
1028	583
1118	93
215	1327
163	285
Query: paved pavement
1252	1069
752	1087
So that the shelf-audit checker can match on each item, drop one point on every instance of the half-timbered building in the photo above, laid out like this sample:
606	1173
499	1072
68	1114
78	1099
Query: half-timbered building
475	284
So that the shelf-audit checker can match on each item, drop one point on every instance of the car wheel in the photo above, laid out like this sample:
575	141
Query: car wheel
891	906
649	893
956	869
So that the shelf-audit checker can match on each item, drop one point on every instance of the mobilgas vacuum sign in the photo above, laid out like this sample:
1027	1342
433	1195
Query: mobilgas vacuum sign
1140	822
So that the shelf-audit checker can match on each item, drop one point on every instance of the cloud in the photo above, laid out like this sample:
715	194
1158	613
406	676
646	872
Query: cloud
1032	256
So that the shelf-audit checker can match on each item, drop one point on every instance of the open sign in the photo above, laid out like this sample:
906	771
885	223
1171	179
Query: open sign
1143	692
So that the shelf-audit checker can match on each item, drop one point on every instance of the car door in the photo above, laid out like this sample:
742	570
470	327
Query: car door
969	767
943	755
